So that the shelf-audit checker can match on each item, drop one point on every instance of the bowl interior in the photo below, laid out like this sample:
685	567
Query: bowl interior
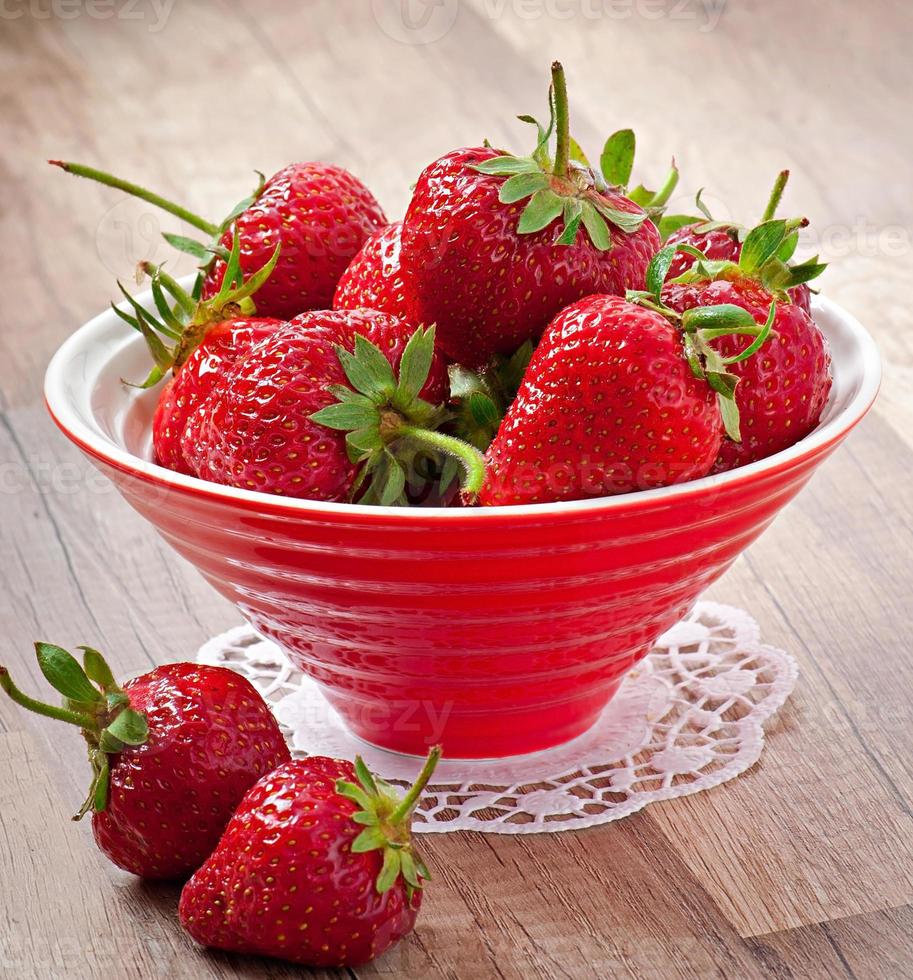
112	420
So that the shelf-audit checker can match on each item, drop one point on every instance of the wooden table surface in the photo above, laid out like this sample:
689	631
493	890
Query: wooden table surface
802	867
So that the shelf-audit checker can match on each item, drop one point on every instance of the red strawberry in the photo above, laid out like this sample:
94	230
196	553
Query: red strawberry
279	420
782	389
608	405
491	268
318	213
198	341
321	216
721	241
173	752
225	343
316	867
374	279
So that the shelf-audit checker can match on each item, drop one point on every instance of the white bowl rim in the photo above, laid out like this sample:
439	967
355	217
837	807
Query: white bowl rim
97	444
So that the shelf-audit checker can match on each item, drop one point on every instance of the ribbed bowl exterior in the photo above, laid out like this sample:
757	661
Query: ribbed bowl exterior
492	637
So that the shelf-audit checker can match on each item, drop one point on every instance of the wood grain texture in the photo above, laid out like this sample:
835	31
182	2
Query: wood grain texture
803	867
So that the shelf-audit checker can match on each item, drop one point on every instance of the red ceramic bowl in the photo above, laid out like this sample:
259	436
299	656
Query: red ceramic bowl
493	631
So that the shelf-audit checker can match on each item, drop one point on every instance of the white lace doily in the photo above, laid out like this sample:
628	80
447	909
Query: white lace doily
688	717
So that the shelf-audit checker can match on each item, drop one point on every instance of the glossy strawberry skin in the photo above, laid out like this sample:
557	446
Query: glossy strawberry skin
255	431
321	216
374	278
721	245
487	287
608	405
284	882
224	344
211	737
784	386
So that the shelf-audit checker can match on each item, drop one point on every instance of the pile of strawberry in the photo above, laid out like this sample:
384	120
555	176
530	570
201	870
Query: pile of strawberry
531	326
306	860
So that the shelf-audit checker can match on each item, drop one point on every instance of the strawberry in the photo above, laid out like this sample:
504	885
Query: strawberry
490	270
607	405
330	407
316	867
374	279
172	751
198	340
722	241
318	213
225	343
783	389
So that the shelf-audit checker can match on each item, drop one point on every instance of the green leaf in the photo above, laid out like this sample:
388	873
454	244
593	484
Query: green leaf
410	872
346	416
575	151
755	345
730	413
504	165
390	871
172	325
188	245
97	669
369	839
365	818
100	786
394	482
723	317
596	227
65	674
365	776
544	206
699	204
414	366
658	269
761	244
670	223
624	220
367	369
354	793
573	215
483	410
617	159
130	727
640	195
365	440
521	186
805	271
788	248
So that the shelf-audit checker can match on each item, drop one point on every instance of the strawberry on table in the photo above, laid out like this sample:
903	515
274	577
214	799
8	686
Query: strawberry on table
318	213
316	867
494	245
334	406
374	278
173	751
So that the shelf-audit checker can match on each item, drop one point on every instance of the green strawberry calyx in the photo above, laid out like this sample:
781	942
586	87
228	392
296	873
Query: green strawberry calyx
766	251
94	702
387	819
568	187
702	325
481	398
181	320
390	428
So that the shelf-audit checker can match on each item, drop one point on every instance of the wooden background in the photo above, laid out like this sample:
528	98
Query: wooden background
804	866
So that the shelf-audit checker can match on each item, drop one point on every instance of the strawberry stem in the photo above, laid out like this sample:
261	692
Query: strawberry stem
407	804
134	190
562	121
40	708
774	200
661	197
473	461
